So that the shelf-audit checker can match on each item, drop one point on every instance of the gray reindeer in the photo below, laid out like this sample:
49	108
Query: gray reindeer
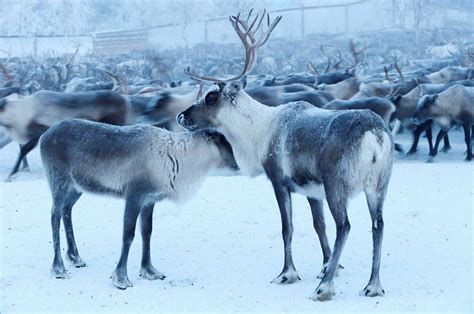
315	152
141	164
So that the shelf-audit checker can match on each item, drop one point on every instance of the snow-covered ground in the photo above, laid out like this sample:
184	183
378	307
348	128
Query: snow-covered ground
221	250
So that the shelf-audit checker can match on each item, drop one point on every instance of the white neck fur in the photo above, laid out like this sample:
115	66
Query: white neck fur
247	124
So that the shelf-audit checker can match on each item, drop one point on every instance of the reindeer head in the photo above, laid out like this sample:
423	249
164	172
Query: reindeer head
423	108
226	93
204	112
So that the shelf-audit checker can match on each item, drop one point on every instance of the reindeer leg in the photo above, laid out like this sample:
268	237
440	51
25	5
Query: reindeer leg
375	200
72	253
147	270
447	145
338	206
467	139
24	150
133	204
439	137
417	133
60	185
320	228
289	273
26	166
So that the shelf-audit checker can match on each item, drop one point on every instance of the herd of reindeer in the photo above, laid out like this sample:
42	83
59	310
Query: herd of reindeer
120	126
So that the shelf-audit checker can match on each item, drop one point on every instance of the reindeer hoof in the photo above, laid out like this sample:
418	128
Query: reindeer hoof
373	290
120	280
59	272
430	160
76	261
325	267
324	292
151	273
287	277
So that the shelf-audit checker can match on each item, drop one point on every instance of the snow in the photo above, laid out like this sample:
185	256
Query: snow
221	250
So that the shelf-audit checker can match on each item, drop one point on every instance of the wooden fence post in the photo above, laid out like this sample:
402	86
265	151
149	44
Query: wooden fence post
346	19
302	22
35	46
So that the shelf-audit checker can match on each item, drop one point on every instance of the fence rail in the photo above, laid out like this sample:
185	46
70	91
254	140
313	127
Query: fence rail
348	17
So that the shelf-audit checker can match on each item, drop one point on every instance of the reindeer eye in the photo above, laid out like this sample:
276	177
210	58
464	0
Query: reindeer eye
211	98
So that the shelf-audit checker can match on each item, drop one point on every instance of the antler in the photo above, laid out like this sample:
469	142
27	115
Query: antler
470	52
312	69
76	45
338	63
399	70
246	34
355	53
117	80
386	70
328	66
3	67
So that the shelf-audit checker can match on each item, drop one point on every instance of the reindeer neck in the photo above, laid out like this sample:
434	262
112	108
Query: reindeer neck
247	126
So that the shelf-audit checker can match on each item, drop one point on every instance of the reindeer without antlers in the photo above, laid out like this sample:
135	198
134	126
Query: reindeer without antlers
315	152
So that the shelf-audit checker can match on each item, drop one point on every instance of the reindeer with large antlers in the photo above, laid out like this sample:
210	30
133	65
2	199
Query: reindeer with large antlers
315	152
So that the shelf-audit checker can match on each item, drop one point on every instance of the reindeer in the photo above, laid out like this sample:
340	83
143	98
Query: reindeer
381	106
141	164
343	90
333	77
406	107
454	105
162	109
27	118
451	74
315	152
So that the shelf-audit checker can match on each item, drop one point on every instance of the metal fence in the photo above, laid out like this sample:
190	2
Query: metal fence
349	17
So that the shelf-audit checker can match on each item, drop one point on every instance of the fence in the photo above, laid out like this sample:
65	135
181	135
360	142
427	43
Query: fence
349	17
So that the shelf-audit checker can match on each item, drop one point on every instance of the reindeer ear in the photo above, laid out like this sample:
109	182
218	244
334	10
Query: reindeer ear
396	98
232	89
243	80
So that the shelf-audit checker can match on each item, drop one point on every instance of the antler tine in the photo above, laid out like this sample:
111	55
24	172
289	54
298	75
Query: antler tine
238	16
252	25
3	67
338	63
470	52
251	35
123	84
329	59
313	69
235	24
250	14
201	78
386	73
5	73
399	70
328	66
8	53
261	19
265	35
